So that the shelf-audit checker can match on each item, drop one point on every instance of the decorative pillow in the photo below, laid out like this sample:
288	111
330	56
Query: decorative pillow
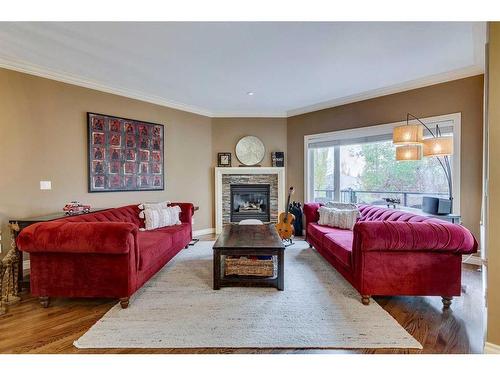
159	218
341	205
153	206
338	218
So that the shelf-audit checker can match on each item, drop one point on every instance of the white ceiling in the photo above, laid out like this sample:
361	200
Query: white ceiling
208	67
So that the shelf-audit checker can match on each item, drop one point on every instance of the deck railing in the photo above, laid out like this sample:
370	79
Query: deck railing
408	198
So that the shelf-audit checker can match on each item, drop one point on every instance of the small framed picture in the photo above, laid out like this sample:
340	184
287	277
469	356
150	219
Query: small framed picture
114	126
98	182
114	167
129	168
115	154
157	181
144	155
115	140
130	182
156	168
144	143
144	168
278	159
115	181
98	124
130	155
129	128
224	159
144	182
98	167
130	141
98	138
98	153
156	156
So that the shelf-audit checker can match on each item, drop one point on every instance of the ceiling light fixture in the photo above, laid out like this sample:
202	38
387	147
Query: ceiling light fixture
250	93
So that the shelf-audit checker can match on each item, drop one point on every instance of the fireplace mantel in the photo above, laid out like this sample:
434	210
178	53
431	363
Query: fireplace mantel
221	171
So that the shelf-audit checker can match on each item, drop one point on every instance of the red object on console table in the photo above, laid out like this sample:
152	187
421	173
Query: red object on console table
391	252
101	254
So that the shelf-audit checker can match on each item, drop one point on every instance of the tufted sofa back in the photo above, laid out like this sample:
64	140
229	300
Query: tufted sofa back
370	213
376	213
127	214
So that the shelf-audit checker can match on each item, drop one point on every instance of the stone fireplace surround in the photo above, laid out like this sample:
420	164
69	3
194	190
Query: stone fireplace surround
225	176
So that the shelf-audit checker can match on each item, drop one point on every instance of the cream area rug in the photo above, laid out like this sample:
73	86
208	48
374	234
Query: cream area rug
178	308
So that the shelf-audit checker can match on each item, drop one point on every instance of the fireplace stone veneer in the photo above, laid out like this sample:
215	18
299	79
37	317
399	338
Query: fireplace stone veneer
225	177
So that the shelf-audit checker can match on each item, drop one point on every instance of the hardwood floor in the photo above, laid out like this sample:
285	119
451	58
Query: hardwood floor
28	328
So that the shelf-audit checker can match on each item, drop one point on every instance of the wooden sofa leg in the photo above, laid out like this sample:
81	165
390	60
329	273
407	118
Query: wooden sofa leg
44	301
446	302
124	302
365	300
186	247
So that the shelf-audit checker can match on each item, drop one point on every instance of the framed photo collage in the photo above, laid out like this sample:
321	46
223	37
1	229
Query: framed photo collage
124	154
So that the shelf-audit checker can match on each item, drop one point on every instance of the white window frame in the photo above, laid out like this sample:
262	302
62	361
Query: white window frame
453	120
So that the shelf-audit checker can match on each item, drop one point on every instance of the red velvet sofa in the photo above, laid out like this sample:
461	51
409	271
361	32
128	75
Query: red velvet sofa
101	254
390	252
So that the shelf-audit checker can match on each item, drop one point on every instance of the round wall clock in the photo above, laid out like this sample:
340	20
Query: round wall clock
250	150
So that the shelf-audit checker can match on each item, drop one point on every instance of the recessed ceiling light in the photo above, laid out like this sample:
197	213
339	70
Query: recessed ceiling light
250	93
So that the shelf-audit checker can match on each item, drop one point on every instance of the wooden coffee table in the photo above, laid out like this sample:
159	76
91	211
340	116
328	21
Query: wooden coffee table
249	240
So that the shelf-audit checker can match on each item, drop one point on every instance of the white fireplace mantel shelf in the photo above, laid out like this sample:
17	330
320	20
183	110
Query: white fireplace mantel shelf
220	171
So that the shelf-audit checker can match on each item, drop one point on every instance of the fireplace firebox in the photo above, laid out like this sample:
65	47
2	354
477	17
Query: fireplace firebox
250	201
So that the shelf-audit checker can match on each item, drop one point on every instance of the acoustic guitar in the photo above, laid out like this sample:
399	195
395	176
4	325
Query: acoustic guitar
285	220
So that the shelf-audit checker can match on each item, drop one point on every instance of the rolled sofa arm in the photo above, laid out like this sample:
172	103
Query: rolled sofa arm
78	237
311	212
430	235
187	211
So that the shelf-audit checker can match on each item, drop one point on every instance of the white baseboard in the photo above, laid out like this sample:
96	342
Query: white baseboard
474	259
202	232
490	348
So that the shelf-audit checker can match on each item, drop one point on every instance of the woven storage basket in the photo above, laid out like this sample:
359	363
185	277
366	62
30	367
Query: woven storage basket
249	267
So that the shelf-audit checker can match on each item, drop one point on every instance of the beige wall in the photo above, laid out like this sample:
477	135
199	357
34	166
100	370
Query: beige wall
228	131
464	95
493	251
43	137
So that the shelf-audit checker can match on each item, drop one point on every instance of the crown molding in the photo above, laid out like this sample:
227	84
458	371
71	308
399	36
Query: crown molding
394	89
87	83
249	114
129	93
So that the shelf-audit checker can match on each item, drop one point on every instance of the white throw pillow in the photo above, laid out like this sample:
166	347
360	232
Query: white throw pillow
341	205
338	218
153	206
159	218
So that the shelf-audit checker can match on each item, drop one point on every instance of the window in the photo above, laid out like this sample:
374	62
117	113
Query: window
359	166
